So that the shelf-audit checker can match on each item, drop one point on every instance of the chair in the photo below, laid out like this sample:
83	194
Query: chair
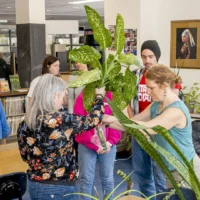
187	193
13	185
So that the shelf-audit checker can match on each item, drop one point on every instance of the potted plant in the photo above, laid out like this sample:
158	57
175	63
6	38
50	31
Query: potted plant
123	87
191	98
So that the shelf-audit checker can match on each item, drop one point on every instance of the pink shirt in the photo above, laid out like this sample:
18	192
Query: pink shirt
113	136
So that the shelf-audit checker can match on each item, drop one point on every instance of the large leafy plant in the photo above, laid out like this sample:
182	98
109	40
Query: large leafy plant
109	74
184	168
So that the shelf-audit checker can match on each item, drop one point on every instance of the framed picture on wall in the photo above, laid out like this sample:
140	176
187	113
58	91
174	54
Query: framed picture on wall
185	44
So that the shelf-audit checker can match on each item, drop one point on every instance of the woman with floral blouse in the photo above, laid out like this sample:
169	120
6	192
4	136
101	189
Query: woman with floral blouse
46	140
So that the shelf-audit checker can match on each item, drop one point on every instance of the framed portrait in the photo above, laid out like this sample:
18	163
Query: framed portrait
185	46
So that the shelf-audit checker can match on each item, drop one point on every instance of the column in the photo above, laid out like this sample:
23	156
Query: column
30	24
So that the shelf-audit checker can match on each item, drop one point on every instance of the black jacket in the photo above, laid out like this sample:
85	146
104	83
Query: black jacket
5	70
196	135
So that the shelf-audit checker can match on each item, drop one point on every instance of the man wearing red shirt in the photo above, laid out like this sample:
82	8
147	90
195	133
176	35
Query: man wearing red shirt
147	176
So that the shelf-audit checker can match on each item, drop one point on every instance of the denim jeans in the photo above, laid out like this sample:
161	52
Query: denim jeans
147	176
41	191
87	159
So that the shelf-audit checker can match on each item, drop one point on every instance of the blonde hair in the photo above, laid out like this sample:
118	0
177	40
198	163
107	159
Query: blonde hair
42	101
162	74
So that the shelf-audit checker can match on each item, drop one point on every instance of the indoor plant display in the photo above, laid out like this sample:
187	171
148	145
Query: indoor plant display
124	89
191	98
109	74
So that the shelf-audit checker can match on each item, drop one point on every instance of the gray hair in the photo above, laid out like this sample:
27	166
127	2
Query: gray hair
42	100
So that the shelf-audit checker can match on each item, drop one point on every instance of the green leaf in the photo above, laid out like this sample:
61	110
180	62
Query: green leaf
101	34
130	88
119	100
128	59
86	78
171	159
115	71
109	61
117	83
89	96
136	126
193	178
77	73
119	34
87	55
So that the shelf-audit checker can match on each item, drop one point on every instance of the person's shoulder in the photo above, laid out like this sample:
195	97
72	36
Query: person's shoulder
138	69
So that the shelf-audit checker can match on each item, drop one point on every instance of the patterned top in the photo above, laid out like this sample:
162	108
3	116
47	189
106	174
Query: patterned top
49	150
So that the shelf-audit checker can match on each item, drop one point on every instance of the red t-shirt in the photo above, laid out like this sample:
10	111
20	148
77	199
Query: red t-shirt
143	98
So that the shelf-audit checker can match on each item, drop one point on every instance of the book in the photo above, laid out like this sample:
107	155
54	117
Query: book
14	82
4	86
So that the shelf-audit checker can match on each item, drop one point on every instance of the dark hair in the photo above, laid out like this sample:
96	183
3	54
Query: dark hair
49	60
162	74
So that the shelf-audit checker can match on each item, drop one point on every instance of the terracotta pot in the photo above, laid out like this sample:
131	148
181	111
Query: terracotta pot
131	197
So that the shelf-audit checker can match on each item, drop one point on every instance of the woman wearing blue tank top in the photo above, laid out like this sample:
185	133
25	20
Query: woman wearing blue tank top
168	111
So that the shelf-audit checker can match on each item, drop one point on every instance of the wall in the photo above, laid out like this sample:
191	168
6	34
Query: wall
153	21
176	10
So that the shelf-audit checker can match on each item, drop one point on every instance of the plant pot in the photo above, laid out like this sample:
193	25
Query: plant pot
192	106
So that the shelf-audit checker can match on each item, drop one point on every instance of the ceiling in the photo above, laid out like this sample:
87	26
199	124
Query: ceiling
55	10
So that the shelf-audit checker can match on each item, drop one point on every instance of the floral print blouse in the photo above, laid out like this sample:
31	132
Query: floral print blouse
49	150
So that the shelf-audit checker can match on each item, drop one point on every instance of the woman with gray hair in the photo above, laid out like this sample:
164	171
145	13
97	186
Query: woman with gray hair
46	141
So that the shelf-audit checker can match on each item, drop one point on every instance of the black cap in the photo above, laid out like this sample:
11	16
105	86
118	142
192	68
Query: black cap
153	46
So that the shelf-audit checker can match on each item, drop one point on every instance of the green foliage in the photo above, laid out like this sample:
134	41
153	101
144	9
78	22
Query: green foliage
128	59
109	74
101	34
89	96
119	34
184	169
87	55
86	78
192	96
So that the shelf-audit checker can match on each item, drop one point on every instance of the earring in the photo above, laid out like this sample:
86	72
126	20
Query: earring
165	93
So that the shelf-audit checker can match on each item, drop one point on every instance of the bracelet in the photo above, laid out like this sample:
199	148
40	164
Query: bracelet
99	95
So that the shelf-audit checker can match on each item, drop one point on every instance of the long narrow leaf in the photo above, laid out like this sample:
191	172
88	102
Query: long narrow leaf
193	178
101	34
146	145
119	34
89	96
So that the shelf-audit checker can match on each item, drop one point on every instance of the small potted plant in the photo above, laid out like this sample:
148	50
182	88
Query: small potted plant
191	98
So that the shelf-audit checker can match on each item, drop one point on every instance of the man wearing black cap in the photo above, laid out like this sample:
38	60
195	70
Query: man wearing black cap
147	177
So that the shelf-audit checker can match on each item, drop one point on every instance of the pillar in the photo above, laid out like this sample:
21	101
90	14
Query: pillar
30	25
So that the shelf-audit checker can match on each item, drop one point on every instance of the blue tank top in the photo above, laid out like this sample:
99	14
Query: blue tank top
182	136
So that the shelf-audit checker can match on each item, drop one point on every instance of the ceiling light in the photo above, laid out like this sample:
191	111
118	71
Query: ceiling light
48	10
8	6
3	21
84	1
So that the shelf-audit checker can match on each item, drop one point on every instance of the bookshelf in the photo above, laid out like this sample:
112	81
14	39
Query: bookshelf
14	104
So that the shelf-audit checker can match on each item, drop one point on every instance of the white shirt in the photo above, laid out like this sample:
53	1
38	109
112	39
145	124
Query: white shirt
72	95
32	87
